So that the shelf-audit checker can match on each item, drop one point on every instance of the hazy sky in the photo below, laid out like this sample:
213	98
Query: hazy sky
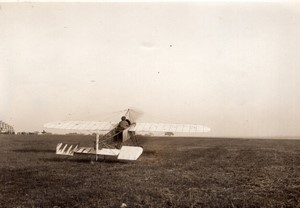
234	67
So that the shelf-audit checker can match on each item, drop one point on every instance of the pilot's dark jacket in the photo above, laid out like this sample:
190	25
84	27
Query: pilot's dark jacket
123	125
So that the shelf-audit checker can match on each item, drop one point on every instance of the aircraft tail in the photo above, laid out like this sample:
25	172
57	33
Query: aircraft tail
66	149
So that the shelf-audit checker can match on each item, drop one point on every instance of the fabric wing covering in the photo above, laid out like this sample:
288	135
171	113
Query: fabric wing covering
161	127
130	153
81	125
139	127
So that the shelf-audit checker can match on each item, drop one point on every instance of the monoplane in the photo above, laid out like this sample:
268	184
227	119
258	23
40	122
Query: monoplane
121	144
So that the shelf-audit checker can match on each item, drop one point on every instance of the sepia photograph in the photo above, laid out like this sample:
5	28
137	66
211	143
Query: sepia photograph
149	103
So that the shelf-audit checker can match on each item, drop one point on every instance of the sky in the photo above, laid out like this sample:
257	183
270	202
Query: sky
232	66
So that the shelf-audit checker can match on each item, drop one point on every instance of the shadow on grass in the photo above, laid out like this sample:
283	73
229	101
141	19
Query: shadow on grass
82	160
34	150
149	152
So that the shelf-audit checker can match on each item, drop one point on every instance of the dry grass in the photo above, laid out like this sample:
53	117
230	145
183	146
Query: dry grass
172	172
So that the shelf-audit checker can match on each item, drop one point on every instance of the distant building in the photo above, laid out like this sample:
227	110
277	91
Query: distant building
6	128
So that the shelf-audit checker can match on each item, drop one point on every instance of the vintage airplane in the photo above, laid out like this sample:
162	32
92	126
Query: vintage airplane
122	144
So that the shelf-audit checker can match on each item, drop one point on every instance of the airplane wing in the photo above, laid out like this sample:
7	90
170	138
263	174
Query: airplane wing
82	125
138	127
161	127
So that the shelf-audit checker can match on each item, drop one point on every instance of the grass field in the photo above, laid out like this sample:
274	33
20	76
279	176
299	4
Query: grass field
172	172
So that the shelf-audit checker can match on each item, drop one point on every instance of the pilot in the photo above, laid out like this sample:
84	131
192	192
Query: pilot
123	124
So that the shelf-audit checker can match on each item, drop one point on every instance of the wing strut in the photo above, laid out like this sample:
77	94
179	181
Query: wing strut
97	146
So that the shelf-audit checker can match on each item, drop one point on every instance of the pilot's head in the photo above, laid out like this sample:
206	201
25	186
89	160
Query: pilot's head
123	118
